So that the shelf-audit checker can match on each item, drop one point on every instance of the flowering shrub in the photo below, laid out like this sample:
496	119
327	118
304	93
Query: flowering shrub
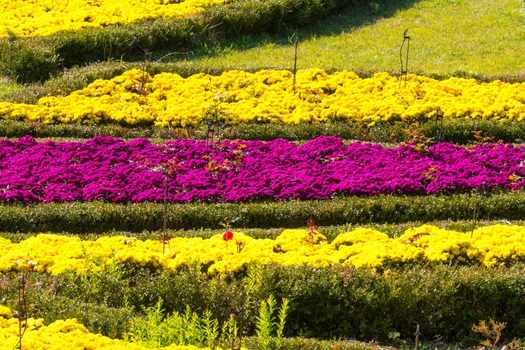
105	168
45	17
362	247
267	96
64	334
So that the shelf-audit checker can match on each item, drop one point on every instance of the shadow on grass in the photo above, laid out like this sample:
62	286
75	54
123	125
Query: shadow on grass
348	20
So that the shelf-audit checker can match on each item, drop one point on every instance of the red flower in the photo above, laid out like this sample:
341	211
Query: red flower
228	235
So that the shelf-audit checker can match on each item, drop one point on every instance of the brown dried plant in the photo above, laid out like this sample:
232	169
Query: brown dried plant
492	331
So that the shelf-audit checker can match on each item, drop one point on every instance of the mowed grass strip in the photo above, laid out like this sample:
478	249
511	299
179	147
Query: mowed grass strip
449	37
482	39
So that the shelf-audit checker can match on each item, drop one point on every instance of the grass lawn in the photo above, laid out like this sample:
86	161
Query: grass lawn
7	87
476	37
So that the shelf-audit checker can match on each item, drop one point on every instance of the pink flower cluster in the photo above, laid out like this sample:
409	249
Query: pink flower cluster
114	170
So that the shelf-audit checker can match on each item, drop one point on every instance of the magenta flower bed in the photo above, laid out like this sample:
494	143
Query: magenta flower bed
110	169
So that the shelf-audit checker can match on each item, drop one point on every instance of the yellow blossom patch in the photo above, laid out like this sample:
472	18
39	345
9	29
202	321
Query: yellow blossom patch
64	334
56	254
168	99
28	18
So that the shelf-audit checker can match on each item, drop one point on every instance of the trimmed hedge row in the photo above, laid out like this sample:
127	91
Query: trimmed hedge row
445	301
331	232
93	217
456	131
35	59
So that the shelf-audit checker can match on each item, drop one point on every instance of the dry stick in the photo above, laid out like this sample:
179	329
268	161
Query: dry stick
172	54
417	334
145	65
296	46
22	309
404	65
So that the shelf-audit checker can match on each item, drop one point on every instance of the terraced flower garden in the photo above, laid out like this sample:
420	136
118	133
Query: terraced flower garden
263	175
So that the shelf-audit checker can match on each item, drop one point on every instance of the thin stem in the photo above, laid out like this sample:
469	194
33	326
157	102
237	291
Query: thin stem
22	309
296	47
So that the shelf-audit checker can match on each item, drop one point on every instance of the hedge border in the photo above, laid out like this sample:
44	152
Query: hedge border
94	217
456	131
349	303
36	59
331	232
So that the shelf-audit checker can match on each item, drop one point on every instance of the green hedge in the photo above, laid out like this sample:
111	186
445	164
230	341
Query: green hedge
103	217
457	131
325	303
331	232
37	58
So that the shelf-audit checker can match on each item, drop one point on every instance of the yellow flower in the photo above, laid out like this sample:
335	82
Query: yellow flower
361	247
44	17
66	334
167	99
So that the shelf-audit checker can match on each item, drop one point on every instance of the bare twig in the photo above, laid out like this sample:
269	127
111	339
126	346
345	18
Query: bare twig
404	51
295	39
417	334
21	312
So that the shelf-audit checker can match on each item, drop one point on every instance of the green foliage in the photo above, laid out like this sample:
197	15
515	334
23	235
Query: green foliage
100	217
280	323
316	344
368	39
392	230
67	49
230	332
25	63
457	131
324	303
8	88
270	330
264	322
187	328
210	327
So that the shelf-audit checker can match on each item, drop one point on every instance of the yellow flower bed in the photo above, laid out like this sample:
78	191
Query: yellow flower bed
44	17
61	335
361	247
267	96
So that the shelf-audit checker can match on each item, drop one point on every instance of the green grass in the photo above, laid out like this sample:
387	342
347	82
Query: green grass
449	37
7	87
484	39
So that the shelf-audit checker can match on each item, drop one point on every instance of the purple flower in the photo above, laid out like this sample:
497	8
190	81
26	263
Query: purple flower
114	170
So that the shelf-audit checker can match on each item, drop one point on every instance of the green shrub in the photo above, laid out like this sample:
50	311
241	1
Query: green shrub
157	329
268	326
331	232
26	63
93	217
219	22
457	131
327	303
